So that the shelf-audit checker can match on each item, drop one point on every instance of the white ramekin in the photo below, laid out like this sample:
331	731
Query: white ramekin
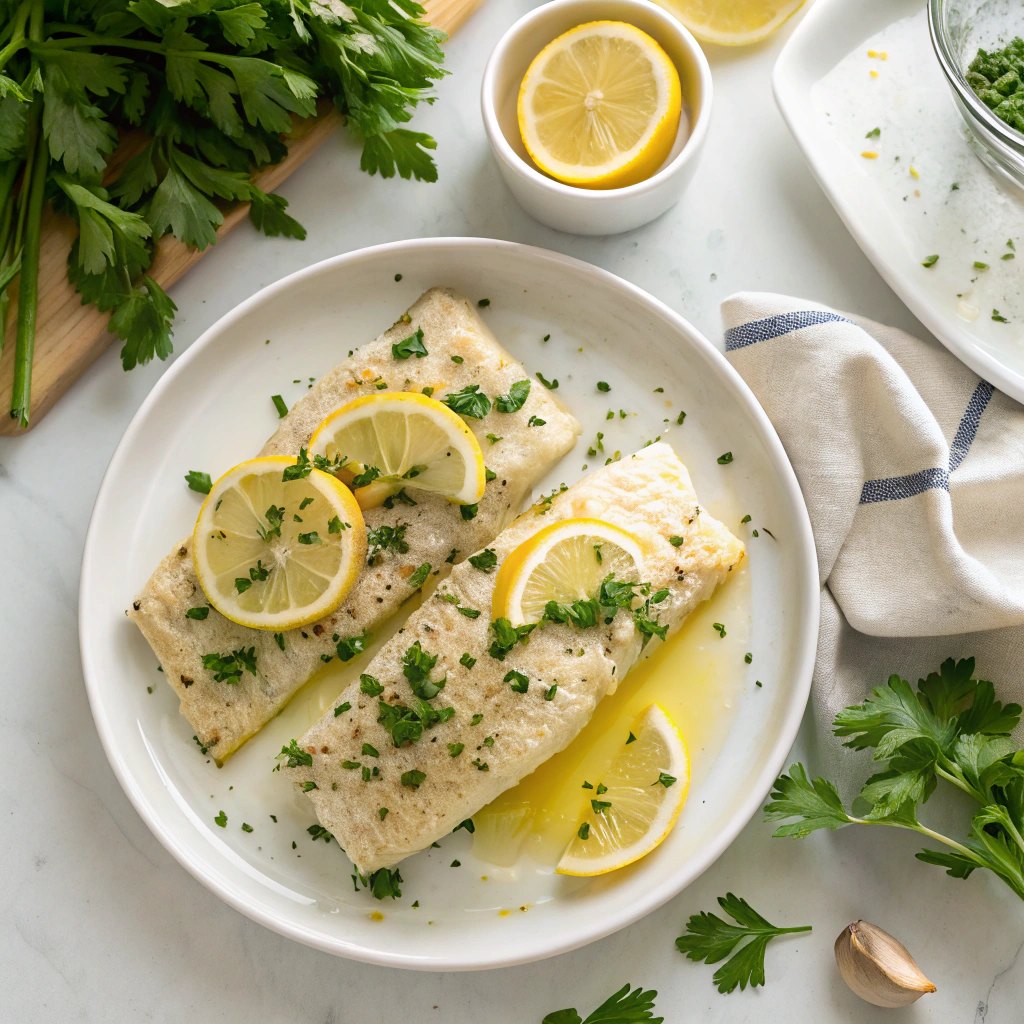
579	210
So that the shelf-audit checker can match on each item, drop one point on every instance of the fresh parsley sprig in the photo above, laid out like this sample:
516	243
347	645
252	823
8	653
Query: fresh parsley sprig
212	85
624	1007
710	939
952	728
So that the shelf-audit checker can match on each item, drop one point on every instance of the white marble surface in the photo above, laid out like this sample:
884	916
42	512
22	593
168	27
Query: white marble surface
98	923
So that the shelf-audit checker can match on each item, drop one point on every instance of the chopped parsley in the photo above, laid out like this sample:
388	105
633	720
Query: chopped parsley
469	402
386	538
382	813
229	668
282	409
603	386
197	481
467	660
535	421
413	778
485	561
246	827
506	636
417	665
454	749
310	538
930	261
665	779
551	691
370	686
469	511
517	681
292	756
411	346
470	613
584	830
748	657
719	627
221	819
476	719
551	385
458	360
200	612
724	460
418	578
335	525
600	806
349	647
493	438
515	399
342	708
450	560
274	517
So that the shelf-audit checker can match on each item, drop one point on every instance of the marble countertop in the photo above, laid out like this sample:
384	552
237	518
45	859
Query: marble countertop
98	923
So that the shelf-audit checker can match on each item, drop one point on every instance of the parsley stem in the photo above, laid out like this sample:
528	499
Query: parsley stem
17	33
28	293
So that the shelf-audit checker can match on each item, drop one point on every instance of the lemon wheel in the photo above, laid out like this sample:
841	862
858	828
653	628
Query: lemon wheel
637	802
403	440
564	562
599	106
277	553
732	22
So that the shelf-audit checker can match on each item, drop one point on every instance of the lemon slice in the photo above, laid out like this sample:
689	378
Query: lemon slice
599	106
564	562
731	22
411	440
275	554
636	804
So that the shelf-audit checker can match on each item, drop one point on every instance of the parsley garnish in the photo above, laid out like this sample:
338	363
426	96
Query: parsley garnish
406	724
470	613
229	668
493	438
200	612
665	779
369	685
292	756
467	825
517	681
930	261
719	628
711	939
454	749
282	409
603	386
467	660
450	560
418	578
413	778
952	728
342	708
310	538
506	636
221	819
625	1007
469	402
535	421
274	517
515	399
411	346
351	646
197	481
319	832
386	538
469	511
417	665
476	719
551	385
724	460
246	827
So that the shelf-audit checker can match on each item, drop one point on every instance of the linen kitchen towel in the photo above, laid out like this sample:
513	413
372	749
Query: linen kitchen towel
912	468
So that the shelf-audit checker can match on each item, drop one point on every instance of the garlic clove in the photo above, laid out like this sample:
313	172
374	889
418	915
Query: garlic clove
878	968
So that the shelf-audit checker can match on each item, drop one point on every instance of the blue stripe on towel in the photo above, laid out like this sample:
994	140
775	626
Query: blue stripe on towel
896	487
969	424
776	326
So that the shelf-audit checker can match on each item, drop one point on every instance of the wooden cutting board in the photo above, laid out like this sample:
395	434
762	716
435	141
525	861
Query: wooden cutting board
69	335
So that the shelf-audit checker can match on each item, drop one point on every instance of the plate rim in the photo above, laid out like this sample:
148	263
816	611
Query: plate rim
807	614
785	77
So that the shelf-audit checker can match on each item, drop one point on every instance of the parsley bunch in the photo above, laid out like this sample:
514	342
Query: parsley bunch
213	85
952	729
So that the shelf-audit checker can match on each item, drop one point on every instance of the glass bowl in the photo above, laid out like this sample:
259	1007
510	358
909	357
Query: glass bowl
958	29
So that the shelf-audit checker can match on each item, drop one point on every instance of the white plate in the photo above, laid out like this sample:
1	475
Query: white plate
212	409
830	106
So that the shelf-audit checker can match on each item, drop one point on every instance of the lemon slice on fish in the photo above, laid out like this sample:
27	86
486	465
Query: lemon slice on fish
402	440
278	544
564	562
637	802
732	22
599	106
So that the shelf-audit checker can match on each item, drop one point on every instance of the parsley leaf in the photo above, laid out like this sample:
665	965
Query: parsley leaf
624	1007
708	938
197	481
470	402
515	399
412	346
485	561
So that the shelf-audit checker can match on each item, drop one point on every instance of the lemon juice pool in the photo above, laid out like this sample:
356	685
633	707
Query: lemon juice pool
694	676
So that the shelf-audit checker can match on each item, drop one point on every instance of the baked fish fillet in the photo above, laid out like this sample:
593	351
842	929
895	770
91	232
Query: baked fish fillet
225	715
648	494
